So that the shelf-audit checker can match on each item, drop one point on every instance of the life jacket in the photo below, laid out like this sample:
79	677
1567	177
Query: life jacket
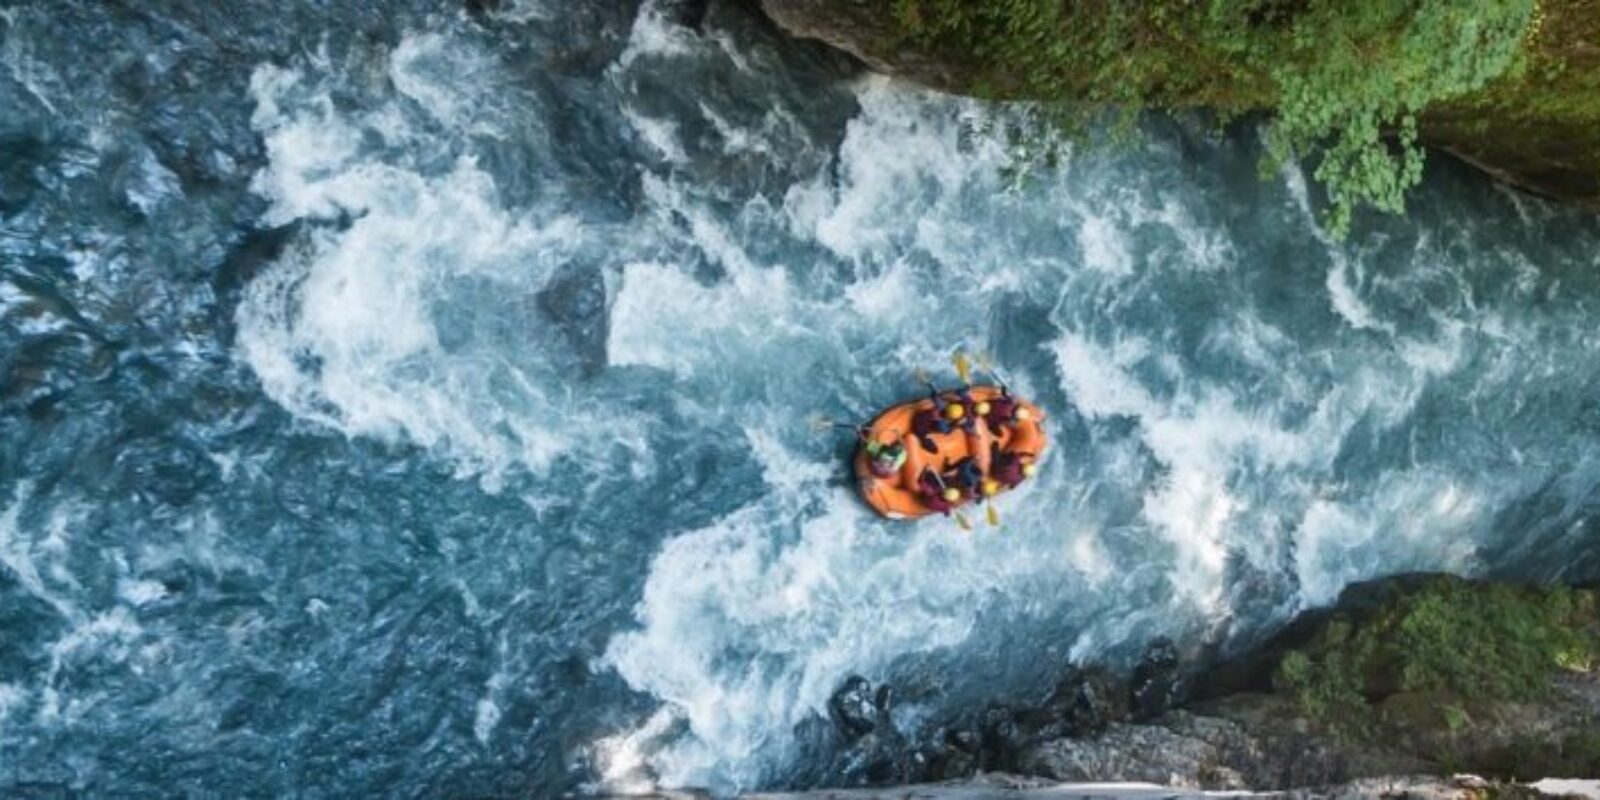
929	421
1008	469
931	493
967	477
1002	412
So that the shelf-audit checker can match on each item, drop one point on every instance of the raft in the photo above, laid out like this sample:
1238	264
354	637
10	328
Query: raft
896	496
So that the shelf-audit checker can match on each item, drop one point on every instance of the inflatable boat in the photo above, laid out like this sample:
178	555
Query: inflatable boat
930	473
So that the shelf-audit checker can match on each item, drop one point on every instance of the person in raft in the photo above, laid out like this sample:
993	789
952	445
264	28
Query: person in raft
941	418
967	477
1010	469
934	494
966	419
1004	410
884	459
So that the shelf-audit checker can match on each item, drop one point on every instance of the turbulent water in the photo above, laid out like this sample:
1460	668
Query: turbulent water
413	399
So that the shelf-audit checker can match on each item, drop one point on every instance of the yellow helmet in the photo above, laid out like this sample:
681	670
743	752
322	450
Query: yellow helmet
991	487
952	494
954	411
982	407
1024	414
1028	470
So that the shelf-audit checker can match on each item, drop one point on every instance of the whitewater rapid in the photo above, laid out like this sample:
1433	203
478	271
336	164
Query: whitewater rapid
519	454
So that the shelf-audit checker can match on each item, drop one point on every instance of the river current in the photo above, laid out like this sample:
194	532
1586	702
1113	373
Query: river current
415	398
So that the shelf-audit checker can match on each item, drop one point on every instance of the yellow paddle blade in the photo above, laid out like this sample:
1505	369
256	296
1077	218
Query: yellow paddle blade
963	369
992	514
961	519
821	423
986	364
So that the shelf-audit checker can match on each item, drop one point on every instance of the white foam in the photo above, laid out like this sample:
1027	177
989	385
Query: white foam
110	635
891	157
487	713
418	63
1345	300
656	35
13	698
1416	520
622	761
139	592
660	134
1104	247
1203	436
17	554
152	185
343	330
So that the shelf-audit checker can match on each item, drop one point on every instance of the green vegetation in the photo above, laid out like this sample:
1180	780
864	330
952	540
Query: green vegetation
1346	82
1457	643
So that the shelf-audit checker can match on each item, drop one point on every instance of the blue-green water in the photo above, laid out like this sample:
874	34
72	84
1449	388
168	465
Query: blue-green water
397	400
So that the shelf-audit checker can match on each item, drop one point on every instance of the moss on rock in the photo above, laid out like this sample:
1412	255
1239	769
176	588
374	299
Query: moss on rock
1458	673
1353	85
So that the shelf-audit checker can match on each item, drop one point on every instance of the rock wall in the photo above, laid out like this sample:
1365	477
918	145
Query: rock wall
1538	130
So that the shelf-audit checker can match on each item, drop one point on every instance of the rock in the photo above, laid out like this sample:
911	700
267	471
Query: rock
1197	752
877	754
1262	738
1126	753
1155	686
855	709
1000	739
998	785
575	301
954	756
1087	701
690	14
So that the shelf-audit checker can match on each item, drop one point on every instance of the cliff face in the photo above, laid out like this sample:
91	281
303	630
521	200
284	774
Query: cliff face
867	30
1537	126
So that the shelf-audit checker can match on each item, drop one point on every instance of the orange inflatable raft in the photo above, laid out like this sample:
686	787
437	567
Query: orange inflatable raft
895	496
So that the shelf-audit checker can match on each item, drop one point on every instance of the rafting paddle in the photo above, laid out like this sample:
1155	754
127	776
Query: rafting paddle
963	369
988	366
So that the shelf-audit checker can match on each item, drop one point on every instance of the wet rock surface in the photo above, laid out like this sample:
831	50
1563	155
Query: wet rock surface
1223	726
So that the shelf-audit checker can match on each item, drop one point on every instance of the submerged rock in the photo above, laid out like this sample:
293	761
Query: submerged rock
690	14
854	708
575	301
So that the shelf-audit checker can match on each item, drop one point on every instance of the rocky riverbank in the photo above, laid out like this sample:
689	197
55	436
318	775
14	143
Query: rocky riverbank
1414	675
1530	121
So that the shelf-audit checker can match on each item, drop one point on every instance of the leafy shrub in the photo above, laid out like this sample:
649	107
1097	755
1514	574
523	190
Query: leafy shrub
1344	80
1476	642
